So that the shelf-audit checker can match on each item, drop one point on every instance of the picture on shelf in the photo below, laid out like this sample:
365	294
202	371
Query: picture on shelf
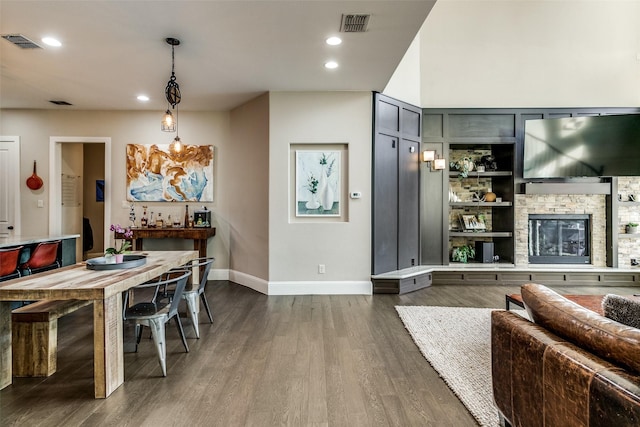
471	222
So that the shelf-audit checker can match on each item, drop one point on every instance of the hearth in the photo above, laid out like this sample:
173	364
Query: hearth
559	239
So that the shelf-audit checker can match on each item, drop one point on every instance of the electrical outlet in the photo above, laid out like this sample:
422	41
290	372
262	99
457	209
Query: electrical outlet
41	203
321	269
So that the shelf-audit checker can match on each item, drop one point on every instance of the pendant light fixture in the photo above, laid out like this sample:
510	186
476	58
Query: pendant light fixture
173	96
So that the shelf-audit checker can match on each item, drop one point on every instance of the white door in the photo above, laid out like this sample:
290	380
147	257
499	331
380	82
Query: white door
9	186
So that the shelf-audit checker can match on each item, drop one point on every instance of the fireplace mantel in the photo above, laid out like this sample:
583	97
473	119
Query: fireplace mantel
567	188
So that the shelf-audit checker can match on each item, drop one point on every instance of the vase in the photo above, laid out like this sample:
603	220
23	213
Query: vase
313	203
109	259
327	198
119	258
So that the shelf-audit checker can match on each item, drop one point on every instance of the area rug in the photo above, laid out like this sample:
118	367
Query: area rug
456	341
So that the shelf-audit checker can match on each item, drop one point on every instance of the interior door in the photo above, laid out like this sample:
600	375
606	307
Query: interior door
9	186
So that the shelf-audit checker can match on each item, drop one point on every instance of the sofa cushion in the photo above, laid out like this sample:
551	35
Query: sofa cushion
621	309
604	337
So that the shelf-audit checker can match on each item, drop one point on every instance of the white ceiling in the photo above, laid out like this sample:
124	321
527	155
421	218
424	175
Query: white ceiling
230	51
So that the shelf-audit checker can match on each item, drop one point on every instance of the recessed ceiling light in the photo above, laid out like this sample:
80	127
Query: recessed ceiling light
331	65
51	41
334	41
143	98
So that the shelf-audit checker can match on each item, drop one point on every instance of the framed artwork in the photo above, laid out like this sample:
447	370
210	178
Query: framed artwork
471	222
157	173
318	183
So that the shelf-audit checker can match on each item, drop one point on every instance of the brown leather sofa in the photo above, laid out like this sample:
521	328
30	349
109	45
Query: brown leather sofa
572	367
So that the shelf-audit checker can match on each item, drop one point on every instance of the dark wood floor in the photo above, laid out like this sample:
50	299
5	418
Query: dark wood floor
266	361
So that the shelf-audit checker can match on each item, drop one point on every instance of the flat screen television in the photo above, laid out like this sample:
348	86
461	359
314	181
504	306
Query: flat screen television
586	146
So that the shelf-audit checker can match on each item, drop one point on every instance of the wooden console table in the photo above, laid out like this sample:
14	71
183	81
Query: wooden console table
198	235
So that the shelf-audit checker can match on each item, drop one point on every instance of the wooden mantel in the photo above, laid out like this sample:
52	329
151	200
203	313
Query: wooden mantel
199	235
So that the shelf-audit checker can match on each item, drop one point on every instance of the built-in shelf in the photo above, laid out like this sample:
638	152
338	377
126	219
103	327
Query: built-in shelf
629	236
476	204
474	174
567	188
453	233
625	204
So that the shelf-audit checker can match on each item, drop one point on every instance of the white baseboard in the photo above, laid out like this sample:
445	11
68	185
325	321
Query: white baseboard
299	288
321	288
219	274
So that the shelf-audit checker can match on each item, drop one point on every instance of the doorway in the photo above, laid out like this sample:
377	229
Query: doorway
63	189
10	188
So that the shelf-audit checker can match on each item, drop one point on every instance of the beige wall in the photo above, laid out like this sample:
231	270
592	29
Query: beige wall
296	248
245	173
494	53
35	127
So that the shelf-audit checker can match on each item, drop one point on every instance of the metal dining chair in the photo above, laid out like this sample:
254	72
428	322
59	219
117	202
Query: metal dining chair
191	296
43	257
156	311
9	259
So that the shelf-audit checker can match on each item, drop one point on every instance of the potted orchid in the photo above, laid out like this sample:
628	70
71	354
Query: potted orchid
125	245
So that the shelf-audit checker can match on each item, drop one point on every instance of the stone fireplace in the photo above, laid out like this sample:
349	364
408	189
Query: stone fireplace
559	239
591	206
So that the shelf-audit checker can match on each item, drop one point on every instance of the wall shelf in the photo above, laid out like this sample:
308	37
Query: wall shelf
471	234
474	174
628	236
480	204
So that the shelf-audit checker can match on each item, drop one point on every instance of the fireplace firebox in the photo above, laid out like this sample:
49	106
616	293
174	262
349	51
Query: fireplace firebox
559	239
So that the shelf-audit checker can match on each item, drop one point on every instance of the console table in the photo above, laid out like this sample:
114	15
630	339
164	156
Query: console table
198	235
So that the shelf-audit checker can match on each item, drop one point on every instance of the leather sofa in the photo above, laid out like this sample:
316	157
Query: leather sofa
569	367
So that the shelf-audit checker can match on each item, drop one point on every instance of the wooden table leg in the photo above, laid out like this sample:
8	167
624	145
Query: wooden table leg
108	351
200	245
5	344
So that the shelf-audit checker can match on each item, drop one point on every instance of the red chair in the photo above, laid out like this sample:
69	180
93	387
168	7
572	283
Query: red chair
43	257
9	263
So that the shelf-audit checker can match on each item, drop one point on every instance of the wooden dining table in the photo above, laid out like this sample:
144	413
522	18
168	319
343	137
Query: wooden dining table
104	288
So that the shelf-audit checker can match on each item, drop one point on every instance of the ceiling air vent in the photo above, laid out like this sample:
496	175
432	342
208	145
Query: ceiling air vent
354	23
21	41
57	102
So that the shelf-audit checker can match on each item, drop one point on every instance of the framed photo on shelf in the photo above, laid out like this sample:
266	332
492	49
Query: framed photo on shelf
472	223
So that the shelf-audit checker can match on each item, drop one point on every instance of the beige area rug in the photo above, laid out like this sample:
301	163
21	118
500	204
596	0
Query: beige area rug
456	341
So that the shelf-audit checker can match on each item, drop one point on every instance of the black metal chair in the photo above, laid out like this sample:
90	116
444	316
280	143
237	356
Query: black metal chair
155	312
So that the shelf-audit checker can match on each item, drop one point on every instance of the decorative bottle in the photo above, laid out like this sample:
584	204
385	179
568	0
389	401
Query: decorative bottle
152	221
144	221
186	216
159	221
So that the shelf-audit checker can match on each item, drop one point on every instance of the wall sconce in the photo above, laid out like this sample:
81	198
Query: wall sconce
439	164
429	156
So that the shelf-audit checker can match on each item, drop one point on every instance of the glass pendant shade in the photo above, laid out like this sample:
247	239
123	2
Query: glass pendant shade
177	144
168	122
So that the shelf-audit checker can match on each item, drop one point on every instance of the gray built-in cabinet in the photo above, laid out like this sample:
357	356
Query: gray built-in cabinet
397	136
475	132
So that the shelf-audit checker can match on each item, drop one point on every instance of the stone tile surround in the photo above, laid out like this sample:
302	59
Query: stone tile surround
628	247
593	205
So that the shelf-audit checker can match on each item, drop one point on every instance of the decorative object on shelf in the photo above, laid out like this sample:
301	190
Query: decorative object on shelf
480	168
489	162
489	196
319	171
34	182
464	166
475	196
631	228
633	198
156	173
471	222
453	197
125	245
463	254
132	216
202	218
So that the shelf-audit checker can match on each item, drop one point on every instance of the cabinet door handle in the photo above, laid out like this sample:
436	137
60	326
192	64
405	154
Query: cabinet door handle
412	149
393	144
